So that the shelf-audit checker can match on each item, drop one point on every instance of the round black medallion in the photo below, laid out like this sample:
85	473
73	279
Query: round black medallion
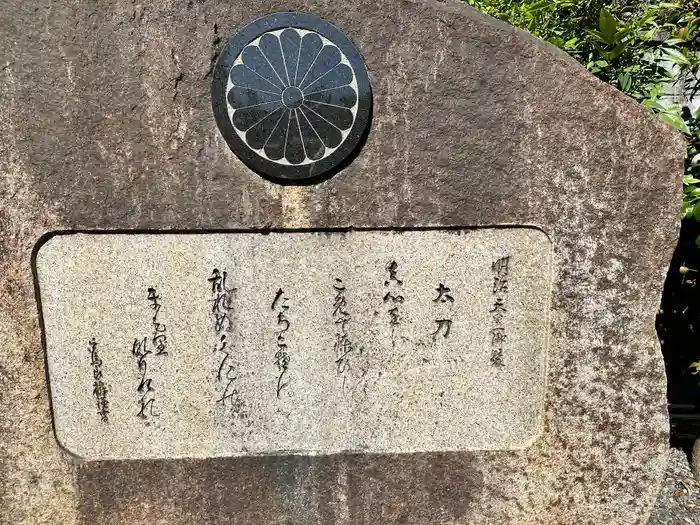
292	98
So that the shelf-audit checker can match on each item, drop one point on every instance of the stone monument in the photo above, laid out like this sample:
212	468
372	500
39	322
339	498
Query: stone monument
396	276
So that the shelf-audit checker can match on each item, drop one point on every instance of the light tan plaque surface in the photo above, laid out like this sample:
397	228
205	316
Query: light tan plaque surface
200	345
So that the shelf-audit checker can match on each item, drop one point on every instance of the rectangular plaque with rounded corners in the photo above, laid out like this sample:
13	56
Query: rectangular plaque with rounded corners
228	344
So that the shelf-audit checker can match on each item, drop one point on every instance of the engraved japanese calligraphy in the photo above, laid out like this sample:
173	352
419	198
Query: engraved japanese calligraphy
282	357
443	300
498	311
298	342
99	389
227	370
144	347
344	350
393	298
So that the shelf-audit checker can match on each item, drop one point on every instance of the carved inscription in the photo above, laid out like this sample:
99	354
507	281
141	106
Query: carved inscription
227	370
99	389
498	311
220	301
282	358
393	298
343	350
443	301
308	343
141	350
160	339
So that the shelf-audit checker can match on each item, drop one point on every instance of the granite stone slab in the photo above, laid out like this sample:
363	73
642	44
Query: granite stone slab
106	124
203	345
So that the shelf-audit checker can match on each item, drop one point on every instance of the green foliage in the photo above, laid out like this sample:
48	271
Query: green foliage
691	180
631	47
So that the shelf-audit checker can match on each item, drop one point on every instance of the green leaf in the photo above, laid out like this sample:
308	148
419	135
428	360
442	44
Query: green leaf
619	49
694	162
596	34
557	41
608	26
623	33
653	104
538	6
694	365
625	81
676	121
675	56
650	34
697	241
689	179
571	42
673	41
696	213
687	210
600	48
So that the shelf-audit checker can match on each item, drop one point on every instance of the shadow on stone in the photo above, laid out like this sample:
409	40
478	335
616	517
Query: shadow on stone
357	488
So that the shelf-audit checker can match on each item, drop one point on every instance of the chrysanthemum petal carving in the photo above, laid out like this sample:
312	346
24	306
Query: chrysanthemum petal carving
291	96
300	77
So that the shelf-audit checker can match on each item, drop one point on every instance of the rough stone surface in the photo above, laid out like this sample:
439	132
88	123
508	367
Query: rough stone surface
679	498
106	124
362	365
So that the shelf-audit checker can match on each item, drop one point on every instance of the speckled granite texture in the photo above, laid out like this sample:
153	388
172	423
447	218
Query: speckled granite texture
106	124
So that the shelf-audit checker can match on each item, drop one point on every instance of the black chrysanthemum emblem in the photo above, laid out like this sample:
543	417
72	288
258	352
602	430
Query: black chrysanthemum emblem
292	96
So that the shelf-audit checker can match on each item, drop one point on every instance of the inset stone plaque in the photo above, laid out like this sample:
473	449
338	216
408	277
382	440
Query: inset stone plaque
218	344
291	97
